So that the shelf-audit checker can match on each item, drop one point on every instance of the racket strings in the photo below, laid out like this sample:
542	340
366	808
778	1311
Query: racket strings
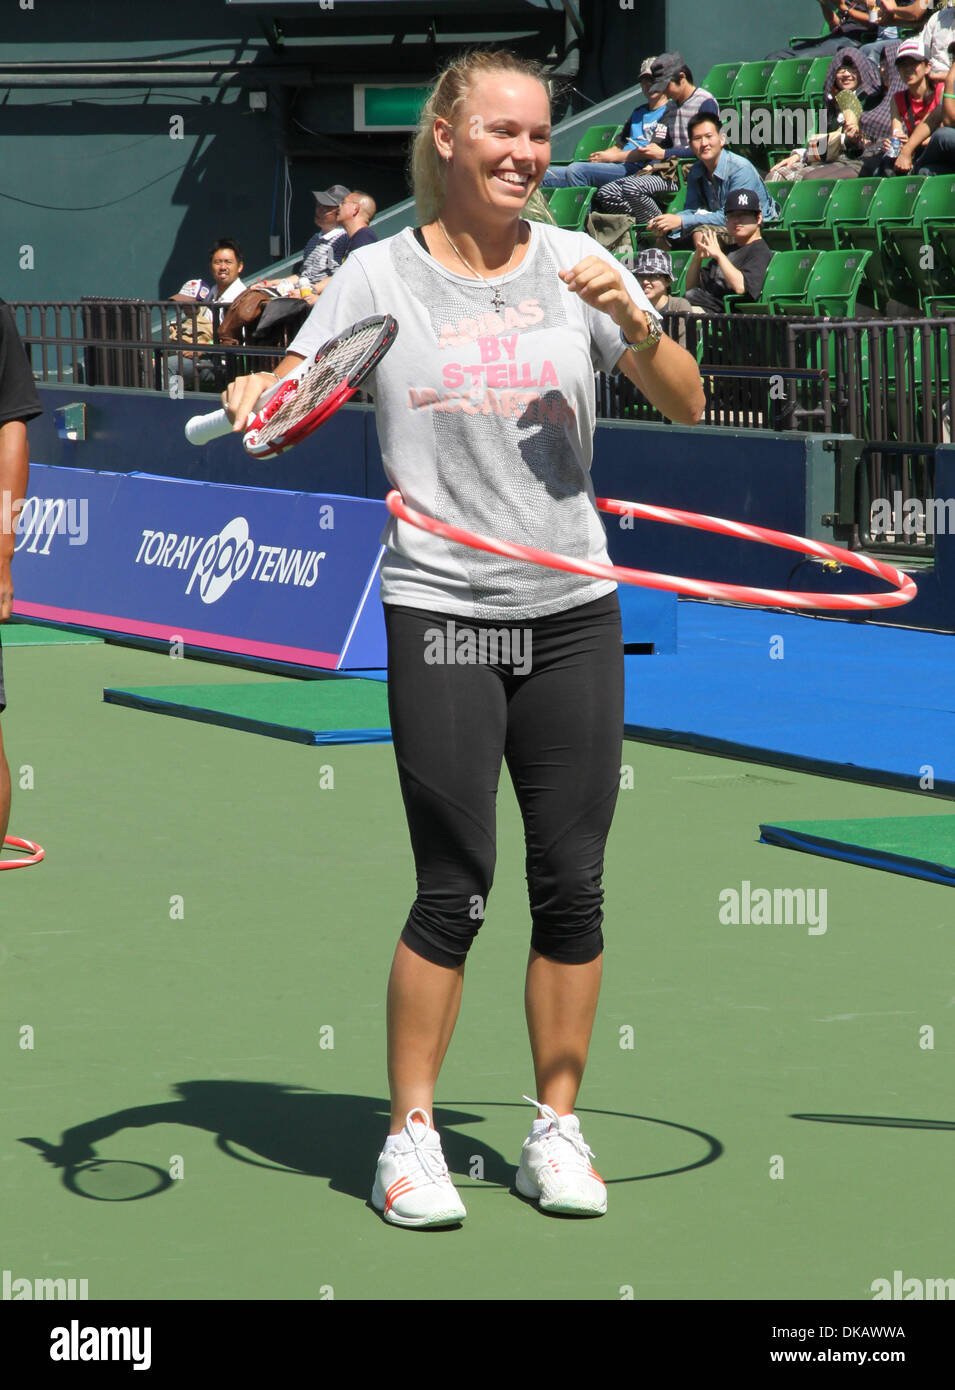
315	385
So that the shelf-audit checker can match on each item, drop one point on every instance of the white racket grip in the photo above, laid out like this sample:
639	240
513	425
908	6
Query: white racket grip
202	429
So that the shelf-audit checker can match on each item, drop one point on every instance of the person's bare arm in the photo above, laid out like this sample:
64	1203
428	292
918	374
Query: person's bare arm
905	14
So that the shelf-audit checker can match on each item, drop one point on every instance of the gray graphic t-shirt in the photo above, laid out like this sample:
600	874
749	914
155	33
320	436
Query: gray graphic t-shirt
485	418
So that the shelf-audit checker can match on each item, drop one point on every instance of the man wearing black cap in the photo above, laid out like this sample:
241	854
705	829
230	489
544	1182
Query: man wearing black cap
633	194
742	270
319	257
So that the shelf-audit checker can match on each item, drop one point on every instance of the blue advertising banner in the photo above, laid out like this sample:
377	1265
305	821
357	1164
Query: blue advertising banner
281	577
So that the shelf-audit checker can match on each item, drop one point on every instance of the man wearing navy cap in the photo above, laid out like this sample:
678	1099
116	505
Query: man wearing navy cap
742	270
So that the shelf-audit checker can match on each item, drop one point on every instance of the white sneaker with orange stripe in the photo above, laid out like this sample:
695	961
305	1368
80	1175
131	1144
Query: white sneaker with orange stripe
412	1186
556	1168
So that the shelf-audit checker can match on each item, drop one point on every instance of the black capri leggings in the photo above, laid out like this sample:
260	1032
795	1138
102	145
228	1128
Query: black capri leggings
545	695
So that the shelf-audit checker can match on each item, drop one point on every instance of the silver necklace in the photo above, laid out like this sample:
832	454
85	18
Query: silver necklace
498	300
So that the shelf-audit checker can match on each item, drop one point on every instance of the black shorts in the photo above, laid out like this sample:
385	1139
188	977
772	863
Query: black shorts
546	697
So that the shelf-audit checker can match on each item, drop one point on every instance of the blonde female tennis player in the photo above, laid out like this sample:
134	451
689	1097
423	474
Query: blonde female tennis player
485	409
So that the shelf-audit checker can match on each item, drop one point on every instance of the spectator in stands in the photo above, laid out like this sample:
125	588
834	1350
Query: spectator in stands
919	97
891	14
354	215
849	25
742	270
654	270
716	174
931	147
226	264
604	166
855	144
633	194
936	37
318	258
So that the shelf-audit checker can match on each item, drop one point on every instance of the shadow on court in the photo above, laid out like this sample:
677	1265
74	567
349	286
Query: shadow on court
291	1129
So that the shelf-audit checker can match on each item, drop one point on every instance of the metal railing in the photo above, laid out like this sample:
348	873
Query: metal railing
889	383
153	345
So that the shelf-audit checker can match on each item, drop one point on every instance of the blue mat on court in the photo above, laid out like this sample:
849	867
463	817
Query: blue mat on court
858	701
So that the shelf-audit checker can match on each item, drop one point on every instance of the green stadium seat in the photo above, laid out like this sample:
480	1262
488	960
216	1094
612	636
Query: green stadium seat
787	84
891	206
924	246
807	208
597	137
720	81
569	206
751	83
780	191
813	93
681	261
847	208
785	283
835	282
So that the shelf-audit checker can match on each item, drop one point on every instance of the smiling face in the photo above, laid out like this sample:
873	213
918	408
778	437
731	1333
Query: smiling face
706	142
655	287
225	269
499	146
847	79
743	226
912	70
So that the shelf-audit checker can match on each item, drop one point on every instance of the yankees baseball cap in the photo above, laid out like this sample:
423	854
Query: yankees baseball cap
742	200
331	197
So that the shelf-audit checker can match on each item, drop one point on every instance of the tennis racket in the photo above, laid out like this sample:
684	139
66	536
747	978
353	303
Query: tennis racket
288	412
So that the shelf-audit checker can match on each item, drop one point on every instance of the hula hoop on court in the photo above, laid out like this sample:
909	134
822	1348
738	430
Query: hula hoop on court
904	591
36	853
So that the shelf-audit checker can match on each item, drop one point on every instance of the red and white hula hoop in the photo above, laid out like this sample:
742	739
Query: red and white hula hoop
36	853
904	591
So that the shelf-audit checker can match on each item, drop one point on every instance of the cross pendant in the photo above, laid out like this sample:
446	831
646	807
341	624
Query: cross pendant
498	300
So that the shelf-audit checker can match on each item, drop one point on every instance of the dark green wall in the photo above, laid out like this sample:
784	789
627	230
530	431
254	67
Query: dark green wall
91	181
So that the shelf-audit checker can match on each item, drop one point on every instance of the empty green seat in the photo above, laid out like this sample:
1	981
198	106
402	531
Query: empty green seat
787	84
751	82
808	207
891	206
847	208
923	246
569	206
720	79
834	284
814	90
681	260
780	190
786	280
805	206
597	137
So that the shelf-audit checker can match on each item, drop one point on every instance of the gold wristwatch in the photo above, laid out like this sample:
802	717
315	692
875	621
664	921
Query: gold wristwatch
654	334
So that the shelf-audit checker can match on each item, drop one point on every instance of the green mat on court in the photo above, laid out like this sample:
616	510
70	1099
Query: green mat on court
920	846
36	635
345	710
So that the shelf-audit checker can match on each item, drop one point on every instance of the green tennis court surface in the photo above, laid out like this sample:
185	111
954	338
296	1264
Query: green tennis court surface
14	634
309	711
921	846
194	981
